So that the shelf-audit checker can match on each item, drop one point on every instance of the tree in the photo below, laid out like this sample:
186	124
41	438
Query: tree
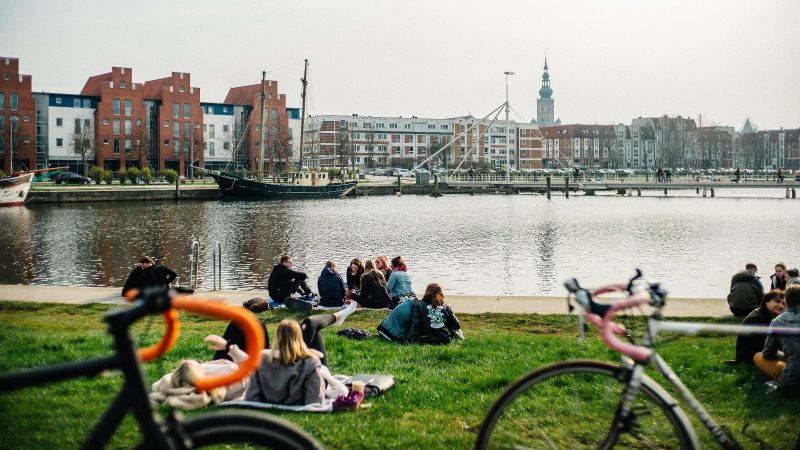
342	146
371	139
444	156
196	148
280	142
84	143
140	141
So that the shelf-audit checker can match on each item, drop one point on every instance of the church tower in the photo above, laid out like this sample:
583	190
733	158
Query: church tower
545	112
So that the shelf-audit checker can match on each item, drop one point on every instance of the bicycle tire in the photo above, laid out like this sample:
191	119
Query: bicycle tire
534	412
244	427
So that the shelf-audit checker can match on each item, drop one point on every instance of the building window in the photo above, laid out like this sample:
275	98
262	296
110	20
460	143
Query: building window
87	123
128	146
186	147
176	129
76	102
116	146
211	149
166	124
138	122
226	145
2	100
87	103
274	115
128	127
211	131
58	100
176	148
26	139
116	126
187	129
166	142
13	100
116	106
128	107
187	110
392	125
59	122
122	85
176	110
59	142
181	89
105	141
105	120
77	125
224	109
225	128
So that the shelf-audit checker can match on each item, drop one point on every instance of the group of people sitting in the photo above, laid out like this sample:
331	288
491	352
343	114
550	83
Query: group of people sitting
294	370
778	357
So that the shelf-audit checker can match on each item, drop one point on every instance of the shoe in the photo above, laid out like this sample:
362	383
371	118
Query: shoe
275	305
772	386
298	305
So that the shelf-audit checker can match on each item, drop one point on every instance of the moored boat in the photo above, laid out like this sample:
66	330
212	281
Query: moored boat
304	184
14	190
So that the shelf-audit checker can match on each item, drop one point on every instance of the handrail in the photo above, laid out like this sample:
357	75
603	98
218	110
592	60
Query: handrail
194	264
217	257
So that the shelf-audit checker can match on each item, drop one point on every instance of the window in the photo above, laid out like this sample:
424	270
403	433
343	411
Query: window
105	120
176	109
128	127
187	129
138	122
176	129
59	142
166	124
59	122
116	146
225	128
116	106
226	145
166	142
105	141
1	126
186	147
77	125
26	139
392	125
444	127
76	102
116	126
58	100
187	110
274	115
128	146
87	123
87	103
431	126
2	100
128	107
176	148
13	100
181	89
211	131
211	149
407	126
122	85
7	76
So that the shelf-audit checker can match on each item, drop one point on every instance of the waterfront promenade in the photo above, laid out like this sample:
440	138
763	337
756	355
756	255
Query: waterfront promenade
463	304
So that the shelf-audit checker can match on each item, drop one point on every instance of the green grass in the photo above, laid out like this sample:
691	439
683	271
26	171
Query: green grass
439	401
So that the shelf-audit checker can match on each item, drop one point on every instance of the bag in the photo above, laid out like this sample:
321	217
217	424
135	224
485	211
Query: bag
373	384
355	334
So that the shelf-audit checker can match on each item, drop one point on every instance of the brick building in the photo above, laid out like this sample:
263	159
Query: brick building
176	118
769	149
275	136
17	118
578	145
715	147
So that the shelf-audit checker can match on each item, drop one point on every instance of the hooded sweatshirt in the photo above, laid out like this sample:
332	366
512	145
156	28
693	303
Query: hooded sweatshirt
790	375
298	384
745	296
330	287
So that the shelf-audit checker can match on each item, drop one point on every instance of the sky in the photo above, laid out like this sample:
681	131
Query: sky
610	61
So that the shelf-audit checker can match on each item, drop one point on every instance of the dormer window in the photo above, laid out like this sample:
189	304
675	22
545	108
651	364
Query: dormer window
181	89
122	85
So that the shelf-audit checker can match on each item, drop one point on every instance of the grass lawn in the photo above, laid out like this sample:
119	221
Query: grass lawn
440	398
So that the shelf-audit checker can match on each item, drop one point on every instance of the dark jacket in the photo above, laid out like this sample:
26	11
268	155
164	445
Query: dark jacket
397	324
280	281
153	276
373	295
790	375
745	296
748	346
777	283
233	334
354	281
330	287
432	324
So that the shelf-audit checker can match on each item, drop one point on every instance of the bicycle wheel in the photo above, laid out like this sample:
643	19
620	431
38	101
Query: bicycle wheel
253	430
572	405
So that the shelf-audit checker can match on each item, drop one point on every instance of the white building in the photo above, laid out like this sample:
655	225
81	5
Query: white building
60	118
219	134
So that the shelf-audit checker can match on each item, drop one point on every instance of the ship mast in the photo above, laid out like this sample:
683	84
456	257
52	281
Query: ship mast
262	145
303	113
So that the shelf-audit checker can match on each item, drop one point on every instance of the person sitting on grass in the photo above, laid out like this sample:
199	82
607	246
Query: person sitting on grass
784	369
330	286
283	282
373	292
745	294
433	322
354	273
148	274
771	306
399	282
291	373
233	334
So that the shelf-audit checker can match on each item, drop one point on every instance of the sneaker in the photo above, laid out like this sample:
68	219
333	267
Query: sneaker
771	386
298	305
275	305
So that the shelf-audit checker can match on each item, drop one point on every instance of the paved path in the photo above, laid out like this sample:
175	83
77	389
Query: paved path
468	304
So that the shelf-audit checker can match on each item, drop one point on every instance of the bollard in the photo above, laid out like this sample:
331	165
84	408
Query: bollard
639	191
794	193
698	190
712	192
787	192
566	186
177	188
665	191
704	192
549	181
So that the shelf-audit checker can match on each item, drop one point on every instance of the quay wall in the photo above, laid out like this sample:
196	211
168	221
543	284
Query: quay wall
116	195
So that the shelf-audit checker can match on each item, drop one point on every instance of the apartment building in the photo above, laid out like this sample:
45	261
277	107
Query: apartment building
17	118
65	129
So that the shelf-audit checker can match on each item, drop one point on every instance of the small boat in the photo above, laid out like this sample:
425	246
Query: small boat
14	190
297	185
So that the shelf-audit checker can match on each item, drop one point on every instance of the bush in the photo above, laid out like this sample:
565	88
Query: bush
146	175
122	175
96	174
170	175
108	176
133	174
334	173
2	174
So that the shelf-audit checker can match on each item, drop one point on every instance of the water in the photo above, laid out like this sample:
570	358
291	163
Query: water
480	245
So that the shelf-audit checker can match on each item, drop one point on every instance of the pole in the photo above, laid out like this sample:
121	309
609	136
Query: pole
11	149
303	113
508	139
263	142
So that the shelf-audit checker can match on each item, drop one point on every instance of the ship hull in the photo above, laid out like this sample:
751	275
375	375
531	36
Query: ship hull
235	187
14	191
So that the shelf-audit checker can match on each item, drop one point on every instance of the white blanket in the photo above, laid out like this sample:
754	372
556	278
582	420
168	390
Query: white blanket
325	407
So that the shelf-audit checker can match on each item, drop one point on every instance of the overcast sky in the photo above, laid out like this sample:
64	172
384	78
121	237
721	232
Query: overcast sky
610	61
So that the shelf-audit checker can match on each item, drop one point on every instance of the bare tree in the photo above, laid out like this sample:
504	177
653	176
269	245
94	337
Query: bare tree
371	141
196	148
280	142
140	144
343	147
84	143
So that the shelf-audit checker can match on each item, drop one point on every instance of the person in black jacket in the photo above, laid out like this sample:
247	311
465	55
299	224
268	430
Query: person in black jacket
373	292
330	286
149	274
771	306
746	293
354	273
433	321
283	282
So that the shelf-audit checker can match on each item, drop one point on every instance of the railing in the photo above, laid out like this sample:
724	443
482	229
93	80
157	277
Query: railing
194	265
463	178
217	257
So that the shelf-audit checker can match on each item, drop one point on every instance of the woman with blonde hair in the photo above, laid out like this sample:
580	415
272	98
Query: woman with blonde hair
433	321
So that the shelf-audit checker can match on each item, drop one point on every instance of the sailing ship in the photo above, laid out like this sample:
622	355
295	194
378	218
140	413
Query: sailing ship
301	184
14	188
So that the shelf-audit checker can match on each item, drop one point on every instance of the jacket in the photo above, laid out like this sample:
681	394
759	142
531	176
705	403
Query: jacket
745	296
432	324
234	335
748	346
354	281
397	324
373	295
280	279
777	283
399	283
153	276
330	287
790	375
298	384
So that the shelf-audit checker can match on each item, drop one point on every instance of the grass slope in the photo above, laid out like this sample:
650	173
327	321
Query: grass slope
441	396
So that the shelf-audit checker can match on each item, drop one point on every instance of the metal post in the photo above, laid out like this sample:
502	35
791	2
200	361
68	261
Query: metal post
194	264
548	187
566	186
217	260
177	187
712	192
794	193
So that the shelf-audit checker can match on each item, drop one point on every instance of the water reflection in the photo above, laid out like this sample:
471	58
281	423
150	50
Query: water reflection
483	245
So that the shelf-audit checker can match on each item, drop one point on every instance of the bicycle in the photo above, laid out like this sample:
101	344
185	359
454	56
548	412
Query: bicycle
560	402
171	432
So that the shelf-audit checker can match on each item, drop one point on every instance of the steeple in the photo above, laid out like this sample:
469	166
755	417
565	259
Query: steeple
545	110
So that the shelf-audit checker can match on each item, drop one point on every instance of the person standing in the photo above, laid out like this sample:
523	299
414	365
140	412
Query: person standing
283	282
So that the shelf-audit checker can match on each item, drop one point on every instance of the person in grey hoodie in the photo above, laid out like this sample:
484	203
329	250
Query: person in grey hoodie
786	370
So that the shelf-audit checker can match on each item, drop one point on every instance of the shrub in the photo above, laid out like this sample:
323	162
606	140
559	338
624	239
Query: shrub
133	174
108	176
170	175
122	175
146	175
2	174
96	174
